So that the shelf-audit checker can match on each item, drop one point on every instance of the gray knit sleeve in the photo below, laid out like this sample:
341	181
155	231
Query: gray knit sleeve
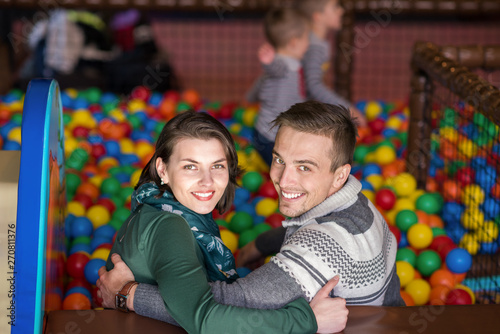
313	73
277	68
267	287
252	95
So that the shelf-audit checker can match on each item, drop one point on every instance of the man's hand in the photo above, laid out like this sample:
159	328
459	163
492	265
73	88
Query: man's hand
331	313
110	282
266	54
248	255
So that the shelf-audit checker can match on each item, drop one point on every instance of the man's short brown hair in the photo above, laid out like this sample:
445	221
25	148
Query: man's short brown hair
283	24
332	121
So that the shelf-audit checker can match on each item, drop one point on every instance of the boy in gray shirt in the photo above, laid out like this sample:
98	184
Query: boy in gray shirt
282	84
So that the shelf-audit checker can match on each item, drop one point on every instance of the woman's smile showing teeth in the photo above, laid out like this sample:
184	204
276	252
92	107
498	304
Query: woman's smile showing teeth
204	196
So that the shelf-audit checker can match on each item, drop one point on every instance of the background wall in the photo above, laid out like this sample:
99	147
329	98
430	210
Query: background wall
218	56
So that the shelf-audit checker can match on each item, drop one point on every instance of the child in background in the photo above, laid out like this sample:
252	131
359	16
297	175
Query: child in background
282	84
324	16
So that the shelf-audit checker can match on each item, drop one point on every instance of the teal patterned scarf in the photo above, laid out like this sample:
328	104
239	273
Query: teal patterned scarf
219	260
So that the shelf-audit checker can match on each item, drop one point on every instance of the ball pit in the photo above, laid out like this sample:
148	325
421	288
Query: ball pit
108	140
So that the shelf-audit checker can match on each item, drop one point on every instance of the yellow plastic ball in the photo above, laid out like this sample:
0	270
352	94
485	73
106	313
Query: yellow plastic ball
370	157
117	114
419	236
84	118
472	195
449	134
369	194
96	180
108	161
470	243
76	208
70	144
419	290
376	180
98	215
487	232
266	206
405	271
243	160
72	92
127	146
394	122
391	216
404	184
229	239
268	258
404	203
143	149
16	106
372	110
136	105
230	216
100	253
249	116
472	218
468	148
134	179
15	135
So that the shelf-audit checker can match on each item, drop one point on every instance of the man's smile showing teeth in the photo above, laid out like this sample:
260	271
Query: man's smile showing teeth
290	195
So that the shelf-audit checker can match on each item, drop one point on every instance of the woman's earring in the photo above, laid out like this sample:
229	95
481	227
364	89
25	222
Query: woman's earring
162	183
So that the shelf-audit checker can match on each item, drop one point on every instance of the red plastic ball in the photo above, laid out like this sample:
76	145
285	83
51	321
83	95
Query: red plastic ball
396	232
226	111
458	297
81	132
465	176
98	150
107	203
75	265
267	190
275	220
385	199
377	126
141	93
78	282
83	199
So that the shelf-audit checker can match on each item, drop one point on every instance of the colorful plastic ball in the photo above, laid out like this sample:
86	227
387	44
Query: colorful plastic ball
98	215
419	290
428	262
377	125
79	289
385	198
458	261
385	155
267	190
372	110
252	181
76	301
241	221
472	218
469	291
81	226
405	184
438	295
107	231
458	297
375	180
405	271
406	219
275	220
371	168
92	268
262	227
419	236
100	253
266	207
96	242
249	116
84	248
442	277
408	255
407	298
472	195
75	264
246	237
229	239
431	203
396	232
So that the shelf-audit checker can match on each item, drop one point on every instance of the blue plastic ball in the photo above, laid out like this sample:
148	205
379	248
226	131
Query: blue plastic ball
79	289
458	260
81	227
99	240
92	268
80	248
403	242
371	168
106	231
112	148
243	271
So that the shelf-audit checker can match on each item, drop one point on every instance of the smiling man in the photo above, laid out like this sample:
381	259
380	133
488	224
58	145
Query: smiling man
332	228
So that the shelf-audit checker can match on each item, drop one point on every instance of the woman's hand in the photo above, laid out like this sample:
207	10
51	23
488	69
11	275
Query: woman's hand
331	313
110	282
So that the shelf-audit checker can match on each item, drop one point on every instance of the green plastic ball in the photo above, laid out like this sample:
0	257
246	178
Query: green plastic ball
17	118
77	159
182	106
222	223
430	203
241	221
437	231
81	240
111	186
360	153
406	219
115	223
93	95
72	182
126	192
121	214
252	181
246	237
262	227
428	262
408	255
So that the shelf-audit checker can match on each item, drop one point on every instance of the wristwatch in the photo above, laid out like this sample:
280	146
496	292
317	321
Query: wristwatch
122	295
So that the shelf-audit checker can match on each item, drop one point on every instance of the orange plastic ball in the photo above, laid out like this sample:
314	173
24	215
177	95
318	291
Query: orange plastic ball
442	277
438	295
76	301
407	298
88	189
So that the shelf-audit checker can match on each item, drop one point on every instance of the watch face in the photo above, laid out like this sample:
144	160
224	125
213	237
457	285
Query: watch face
121	302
